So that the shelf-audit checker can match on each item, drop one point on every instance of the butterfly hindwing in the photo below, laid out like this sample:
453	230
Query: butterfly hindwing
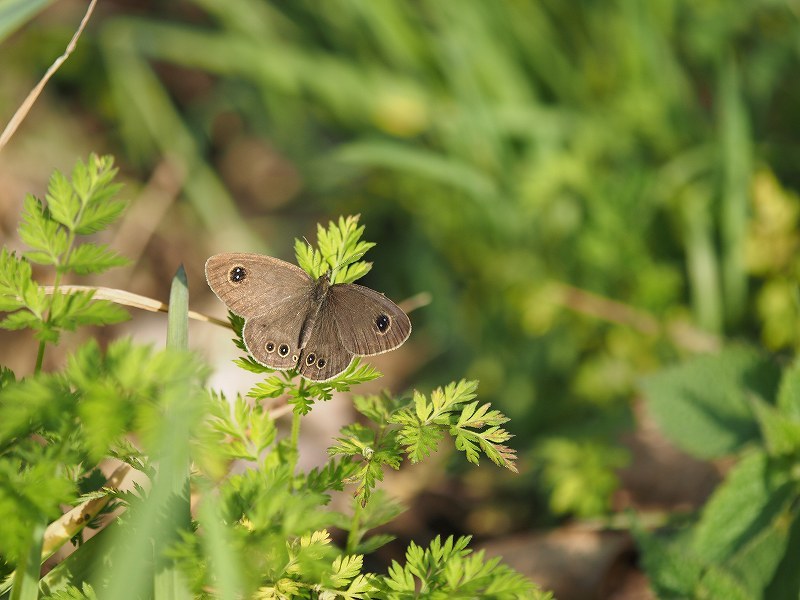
273	338
324	356
252	284
367	321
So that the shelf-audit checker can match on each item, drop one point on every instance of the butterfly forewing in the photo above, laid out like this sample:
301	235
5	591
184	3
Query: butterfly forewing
367	322
252	284
324	356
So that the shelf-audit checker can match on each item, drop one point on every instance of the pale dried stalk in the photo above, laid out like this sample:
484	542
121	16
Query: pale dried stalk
130	299
27	104
73	521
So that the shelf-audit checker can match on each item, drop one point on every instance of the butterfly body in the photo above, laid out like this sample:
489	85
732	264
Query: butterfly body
295	321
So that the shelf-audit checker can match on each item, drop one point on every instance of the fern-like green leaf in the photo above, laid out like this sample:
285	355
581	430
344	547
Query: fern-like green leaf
93	184
340	249
39	231
62	201
93	258
243	431
272	387
377	408
17	288
420	440
85	592
354	374
424	420
449	570
345	569
309	259
68	311
22	319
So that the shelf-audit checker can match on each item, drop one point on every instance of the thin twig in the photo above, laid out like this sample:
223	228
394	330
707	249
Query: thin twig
26	106
682	335
416	301
134	300
609	310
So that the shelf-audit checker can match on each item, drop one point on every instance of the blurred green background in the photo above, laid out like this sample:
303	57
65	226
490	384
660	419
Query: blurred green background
588	190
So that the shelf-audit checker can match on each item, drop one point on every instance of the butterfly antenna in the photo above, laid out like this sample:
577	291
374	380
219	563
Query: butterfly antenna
352	260
311	248
341	264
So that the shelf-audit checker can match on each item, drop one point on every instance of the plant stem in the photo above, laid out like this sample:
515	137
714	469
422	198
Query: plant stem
42	343
26	575
295	435
39	358
295	438
57	280
353	535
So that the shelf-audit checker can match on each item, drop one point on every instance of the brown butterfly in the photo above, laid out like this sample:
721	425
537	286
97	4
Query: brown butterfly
294	321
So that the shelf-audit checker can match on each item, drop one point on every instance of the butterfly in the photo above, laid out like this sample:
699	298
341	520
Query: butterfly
293	321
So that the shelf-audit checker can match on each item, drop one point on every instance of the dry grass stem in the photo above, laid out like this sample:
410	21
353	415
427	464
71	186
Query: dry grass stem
73	521
134	300
27	104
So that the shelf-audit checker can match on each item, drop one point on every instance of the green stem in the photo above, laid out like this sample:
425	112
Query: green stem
26	576
39	358
295	435
353	535
57	282
43	344
295	430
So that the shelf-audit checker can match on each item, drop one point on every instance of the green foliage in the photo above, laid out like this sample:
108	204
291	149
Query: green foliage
380	510
570	467
704	405
447	411
339	253
510	163
304	396
83	414
259	532
79	205
741	545
85	592
238	430
449	570
376	450
415	427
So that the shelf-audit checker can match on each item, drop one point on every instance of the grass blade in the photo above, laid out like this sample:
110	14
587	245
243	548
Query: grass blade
218	547
178	316
13	13
26	578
